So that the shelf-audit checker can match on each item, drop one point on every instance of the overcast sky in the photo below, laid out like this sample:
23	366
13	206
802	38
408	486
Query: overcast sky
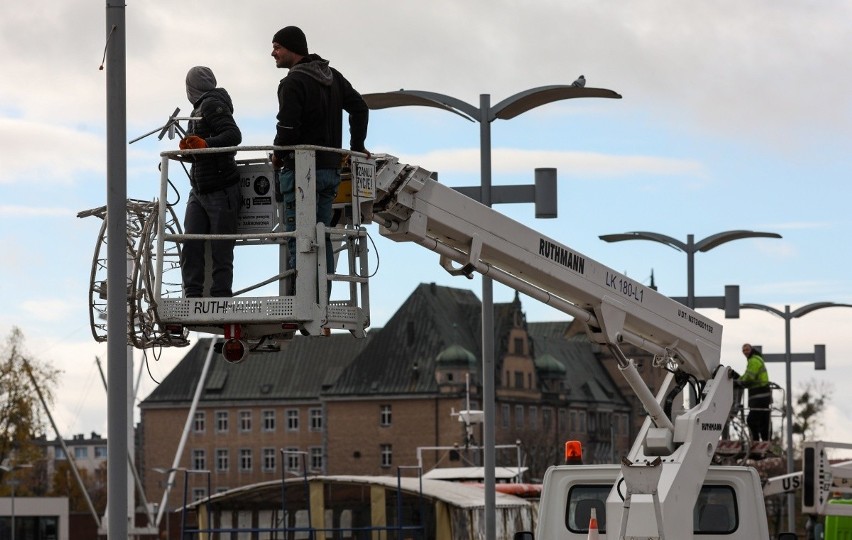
735	115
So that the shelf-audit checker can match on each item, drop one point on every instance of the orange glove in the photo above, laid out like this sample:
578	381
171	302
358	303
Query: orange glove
192	142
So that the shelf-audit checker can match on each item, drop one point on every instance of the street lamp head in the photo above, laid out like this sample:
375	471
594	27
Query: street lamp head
763	307
404	98
804	310
645	235
720	238
535	97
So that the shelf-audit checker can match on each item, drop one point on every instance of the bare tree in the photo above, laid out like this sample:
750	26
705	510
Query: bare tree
21	419
810	404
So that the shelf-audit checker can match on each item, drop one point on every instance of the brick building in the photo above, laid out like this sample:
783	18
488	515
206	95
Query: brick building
340	405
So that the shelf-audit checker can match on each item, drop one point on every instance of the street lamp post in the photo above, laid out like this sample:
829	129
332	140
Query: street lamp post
485	114
818	358
730	302
14	483
727	302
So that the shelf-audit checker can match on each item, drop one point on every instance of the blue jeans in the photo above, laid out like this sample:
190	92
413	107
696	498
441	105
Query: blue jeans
210	213
328	181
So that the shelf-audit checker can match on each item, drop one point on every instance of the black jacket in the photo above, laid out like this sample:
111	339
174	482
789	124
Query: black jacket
217	126
311	101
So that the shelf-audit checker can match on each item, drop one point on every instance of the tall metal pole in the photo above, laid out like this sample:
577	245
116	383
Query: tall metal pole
488	393
116	170
788	359
690	271
14	485
788	362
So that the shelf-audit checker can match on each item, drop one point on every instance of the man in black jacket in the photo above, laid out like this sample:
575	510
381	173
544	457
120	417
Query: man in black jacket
311	101
214	201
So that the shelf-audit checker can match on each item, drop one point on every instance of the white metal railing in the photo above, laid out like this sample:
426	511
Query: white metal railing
281	314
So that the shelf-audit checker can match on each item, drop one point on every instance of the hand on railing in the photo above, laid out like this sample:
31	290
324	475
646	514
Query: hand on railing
192	142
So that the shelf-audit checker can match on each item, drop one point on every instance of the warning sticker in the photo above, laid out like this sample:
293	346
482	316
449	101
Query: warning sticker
257	212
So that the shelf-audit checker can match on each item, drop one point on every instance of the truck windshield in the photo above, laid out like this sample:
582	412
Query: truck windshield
715	510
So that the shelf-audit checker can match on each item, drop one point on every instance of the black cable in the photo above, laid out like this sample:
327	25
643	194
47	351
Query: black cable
148	366
378	259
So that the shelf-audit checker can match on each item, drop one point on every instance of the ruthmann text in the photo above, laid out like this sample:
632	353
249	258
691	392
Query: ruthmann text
561	255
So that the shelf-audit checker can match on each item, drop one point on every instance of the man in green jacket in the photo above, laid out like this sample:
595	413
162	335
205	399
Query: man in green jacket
756	379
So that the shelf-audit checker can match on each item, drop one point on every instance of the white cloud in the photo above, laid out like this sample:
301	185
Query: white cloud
34	211
509	160
51	153
46	309
741	70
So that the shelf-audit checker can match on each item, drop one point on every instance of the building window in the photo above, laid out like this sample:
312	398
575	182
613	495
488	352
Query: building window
519	379
245	421
563	420
81	452
268	459
292	419
222	459
292	456
100	452
573	423
546	417
316	419
199	459
505	413
519	416
245	459
385	416
268	420
625	424
199	422
519	346
582	422
222	421
198	494
387	455
534	417
316	458
59	453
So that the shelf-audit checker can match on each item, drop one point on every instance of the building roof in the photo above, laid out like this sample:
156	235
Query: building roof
546	362
548	329
474	473
586	379
401	358
300	370
268	494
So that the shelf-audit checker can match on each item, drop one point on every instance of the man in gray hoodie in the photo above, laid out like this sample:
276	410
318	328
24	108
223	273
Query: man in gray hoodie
214	200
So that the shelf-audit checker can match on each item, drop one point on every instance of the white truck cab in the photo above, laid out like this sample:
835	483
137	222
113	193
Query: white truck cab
730	505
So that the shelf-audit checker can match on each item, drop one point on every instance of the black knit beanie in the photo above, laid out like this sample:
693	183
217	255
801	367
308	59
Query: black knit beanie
293	39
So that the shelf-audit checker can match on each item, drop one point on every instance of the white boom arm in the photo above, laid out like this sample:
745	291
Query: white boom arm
413	207
666	466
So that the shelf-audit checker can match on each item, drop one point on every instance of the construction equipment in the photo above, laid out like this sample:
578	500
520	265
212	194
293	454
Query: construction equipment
652	494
